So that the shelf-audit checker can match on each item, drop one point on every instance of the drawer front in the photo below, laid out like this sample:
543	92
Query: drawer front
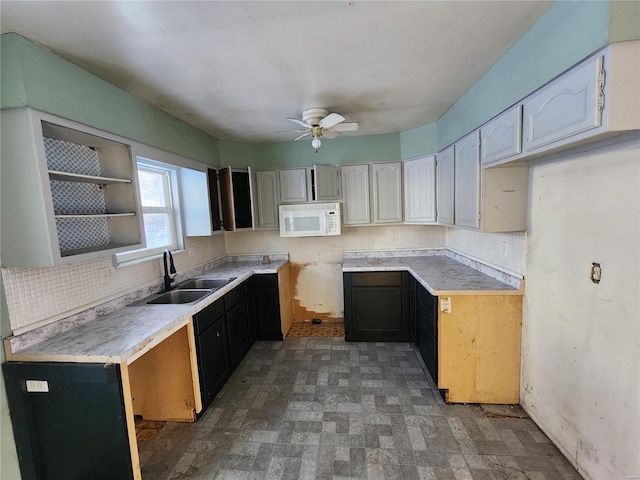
376	278
233	297
206	317
428	300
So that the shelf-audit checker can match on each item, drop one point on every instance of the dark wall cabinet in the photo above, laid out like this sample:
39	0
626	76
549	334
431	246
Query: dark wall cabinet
75	430
267	304
376	306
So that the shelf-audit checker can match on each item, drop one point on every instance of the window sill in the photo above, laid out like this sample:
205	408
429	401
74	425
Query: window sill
136	261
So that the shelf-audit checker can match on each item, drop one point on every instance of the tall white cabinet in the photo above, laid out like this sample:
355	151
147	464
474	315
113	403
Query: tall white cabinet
420	190
386	179
467	181
445	171
355	194
69	192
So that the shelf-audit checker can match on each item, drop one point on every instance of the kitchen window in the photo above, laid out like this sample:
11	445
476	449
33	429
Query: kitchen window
158	186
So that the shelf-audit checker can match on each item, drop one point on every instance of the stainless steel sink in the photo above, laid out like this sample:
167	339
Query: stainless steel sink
211	283
180	296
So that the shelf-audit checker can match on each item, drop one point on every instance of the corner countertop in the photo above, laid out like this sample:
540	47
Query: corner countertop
440	272
121	336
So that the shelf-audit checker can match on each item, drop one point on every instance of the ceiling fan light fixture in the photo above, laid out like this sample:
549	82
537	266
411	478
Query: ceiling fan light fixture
315	143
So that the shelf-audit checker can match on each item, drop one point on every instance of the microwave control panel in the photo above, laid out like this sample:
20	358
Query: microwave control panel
333	222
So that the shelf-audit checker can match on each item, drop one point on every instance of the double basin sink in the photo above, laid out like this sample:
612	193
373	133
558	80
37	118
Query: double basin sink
189	291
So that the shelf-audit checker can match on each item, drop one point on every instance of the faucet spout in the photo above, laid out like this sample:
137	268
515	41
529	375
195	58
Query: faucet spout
169	268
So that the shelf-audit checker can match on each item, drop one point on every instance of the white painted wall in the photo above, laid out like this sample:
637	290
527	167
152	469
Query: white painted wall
581	341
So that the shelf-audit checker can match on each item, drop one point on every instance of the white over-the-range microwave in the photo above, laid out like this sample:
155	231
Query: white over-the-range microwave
310	220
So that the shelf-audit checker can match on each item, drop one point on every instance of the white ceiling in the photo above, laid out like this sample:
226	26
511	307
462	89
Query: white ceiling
238	69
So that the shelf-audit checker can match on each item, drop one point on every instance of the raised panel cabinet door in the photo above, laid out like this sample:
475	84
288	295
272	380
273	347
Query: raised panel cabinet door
501	137
238	333
445	180
213	360
293	185
420	190
567	106
355	194
467	181
387	192
327	183
267	201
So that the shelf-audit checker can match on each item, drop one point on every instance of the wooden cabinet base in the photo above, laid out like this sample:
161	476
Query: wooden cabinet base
479	349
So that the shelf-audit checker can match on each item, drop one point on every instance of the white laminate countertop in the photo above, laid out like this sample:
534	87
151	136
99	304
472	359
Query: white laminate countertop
439	274
119	337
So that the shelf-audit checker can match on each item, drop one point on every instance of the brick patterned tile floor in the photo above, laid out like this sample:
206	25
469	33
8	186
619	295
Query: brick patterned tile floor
321	408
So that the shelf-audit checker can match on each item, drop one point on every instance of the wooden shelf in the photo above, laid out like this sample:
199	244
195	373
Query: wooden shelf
97	248
77	177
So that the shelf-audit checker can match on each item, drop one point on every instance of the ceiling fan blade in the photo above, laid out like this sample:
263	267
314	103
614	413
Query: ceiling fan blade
302	136
330	133
299	122
331	120
292	131
346	127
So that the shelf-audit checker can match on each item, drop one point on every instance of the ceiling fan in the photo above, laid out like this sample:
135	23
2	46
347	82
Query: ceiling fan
318	122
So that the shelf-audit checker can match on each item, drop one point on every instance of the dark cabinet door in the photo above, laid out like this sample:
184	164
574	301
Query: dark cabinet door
268	307
75	430
214	203
376	307
237	333
413	309
213	360
427	323
252	318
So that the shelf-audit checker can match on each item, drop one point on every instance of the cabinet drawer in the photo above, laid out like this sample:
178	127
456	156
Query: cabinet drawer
233	297
269	280
427	300
376	278
207	317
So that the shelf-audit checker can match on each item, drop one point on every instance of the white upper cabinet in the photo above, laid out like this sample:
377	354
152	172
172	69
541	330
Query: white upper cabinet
445	178
326	183
196	212
266	186
420	190
69	192
355	194
467	181
501	138
293	185
567	106
386	181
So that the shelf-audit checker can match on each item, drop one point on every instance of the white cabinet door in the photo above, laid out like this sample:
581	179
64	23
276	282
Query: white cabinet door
445	178
467	181
565	107
293	185
326	183
501	138
387	192
355	195
267	199
420	190
195	203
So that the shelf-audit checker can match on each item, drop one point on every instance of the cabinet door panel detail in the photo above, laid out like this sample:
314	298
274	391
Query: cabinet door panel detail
293	185
565	107
502	136
420	190
445	171
387	192
267	192
355	194
467	181
327	184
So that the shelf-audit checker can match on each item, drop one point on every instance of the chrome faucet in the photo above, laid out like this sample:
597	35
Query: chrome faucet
168	268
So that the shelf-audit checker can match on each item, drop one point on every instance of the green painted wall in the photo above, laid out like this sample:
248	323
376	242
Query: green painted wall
419	141
56	86
624	21
567	33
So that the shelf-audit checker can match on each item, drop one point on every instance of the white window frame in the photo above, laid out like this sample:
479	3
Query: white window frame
173	206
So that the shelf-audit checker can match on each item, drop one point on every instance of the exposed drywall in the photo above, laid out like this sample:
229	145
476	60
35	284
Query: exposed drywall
56	86
581	339
567	33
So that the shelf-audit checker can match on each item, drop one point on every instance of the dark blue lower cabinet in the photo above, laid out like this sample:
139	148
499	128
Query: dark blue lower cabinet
76	430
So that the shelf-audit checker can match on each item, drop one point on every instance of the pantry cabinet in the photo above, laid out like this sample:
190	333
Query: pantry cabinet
420	190
355	194
69	192
293	185
267	195
386	189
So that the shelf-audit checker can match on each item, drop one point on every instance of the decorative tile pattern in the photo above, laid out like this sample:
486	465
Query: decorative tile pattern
76	233
71	157
321	408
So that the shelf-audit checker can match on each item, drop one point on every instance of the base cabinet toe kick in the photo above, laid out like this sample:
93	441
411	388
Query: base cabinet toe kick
470	343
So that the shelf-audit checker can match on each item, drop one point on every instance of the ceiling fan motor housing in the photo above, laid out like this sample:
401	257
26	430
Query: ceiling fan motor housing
312	116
